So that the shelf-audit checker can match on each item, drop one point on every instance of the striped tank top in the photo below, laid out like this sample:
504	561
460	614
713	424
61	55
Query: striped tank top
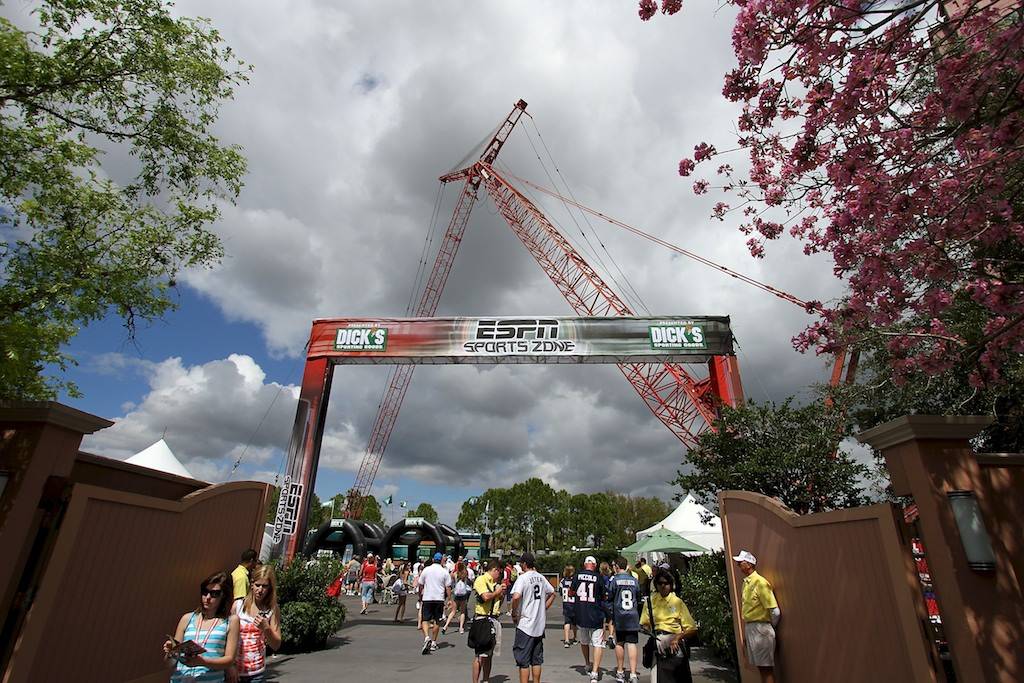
214	638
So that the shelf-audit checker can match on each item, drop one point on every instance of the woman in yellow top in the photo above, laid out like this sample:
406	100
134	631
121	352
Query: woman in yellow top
673	624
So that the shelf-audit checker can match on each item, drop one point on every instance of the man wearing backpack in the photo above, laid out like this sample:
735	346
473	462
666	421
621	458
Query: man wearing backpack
482	632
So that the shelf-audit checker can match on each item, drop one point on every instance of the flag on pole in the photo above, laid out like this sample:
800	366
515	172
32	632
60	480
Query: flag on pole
387	501
329	504
402	504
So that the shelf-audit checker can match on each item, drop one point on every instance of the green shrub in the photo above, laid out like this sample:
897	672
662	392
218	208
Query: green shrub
705	590
308	616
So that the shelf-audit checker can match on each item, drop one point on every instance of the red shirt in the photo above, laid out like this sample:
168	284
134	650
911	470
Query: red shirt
369	572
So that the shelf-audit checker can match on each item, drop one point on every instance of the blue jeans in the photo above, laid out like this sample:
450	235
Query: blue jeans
366	589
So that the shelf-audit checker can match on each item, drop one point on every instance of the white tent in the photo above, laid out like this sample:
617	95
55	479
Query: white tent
159	457
685	520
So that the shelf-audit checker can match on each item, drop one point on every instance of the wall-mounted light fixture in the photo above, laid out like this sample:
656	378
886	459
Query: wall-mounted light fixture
973	534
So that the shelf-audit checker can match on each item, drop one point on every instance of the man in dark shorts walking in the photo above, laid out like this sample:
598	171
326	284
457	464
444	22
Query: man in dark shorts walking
532	595
436	585
624	597
488	601
568	606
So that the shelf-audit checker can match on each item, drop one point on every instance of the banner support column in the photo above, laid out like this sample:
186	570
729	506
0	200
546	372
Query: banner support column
303	456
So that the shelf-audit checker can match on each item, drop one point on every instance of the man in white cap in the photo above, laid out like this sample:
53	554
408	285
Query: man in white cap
760	611
588	587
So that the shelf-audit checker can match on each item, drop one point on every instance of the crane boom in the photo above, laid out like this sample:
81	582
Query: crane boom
401	375
683	403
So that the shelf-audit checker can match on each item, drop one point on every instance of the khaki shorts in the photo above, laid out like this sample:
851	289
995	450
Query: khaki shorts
760	643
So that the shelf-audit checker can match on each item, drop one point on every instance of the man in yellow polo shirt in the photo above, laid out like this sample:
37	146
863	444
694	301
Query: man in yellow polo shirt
240	577
760	611
488	604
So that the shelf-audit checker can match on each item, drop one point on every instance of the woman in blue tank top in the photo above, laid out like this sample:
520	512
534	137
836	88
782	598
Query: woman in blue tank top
213	627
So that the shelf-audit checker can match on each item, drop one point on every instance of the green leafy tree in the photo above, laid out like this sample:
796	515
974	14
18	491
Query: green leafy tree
121	78
426	511
275	496
781	451
371	511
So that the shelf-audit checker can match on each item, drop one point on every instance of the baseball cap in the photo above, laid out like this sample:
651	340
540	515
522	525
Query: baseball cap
590	560
745	556
437	557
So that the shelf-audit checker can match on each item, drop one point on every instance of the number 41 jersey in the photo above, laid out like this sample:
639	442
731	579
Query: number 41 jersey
625	599
590	594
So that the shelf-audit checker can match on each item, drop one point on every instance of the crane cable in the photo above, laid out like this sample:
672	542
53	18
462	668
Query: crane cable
808	306
636	299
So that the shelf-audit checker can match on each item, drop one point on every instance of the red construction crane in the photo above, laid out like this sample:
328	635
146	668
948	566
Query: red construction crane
685	404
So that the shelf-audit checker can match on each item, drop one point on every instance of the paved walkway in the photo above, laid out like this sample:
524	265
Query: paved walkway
375	647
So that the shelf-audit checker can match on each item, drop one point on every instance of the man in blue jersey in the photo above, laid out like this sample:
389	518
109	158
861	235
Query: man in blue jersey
588	588
624	596
568	606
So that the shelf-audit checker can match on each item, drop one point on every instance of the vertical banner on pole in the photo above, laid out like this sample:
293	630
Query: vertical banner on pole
303	454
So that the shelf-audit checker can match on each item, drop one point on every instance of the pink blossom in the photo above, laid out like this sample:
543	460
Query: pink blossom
910	186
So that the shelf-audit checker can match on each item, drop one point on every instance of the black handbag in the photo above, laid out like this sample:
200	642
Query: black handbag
481	629
651	646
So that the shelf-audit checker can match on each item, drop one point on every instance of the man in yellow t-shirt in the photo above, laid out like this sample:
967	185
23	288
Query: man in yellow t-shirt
761	614
488	592
240	576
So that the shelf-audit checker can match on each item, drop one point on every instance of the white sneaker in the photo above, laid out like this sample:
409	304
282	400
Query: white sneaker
634	678
433	646
426	648
593	675
620	677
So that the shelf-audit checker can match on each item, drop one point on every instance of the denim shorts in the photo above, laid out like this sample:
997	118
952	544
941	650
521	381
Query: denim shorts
366	589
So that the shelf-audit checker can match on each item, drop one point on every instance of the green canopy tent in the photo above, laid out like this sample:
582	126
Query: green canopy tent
663	541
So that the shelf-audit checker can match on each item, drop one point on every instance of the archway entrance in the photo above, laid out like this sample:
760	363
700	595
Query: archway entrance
629	342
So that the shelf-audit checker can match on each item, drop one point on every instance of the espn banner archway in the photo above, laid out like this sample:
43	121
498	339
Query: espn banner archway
485	340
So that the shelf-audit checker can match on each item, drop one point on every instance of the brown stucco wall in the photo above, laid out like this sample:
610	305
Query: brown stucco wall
124	569
851	607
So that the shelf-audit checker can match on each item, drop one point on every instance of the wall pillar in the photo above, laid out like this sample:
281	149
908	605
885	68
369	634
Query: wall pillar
982	611
38	440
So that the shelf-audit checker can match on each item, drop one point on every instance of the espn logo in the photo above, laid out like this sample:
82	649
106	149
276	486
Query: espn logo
517	328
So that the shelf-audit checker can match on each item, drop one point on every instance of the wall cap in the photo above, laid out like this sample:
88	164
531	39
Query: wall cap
53	413
911	427
1000	459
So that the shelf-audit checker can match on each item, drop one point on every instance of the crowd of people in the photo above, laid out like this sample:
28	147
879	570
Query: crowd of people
225	638
604	606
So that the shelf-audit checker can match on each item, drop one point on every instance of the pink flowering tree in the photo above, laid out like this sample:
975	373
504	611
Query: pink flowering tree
888	134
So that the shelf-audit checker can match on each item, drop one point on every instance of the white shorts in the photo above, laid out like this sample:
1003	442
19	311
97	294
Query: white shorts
760	643
590	636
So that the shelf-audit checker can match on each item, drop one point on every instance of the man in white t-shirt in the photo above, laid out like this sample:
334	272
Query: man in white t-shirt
436	589
532	595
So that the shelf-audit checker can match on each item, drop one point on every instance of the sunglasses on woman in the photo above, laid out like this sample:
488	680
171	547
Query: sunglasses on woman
212	592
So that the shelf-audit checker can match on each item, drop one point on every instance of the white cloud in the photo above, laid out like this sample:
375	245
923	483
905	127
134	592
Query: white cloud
351	115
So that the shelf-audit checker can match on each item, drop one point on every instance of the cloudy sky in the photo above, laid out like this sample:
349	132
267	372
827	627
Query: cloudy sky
352	112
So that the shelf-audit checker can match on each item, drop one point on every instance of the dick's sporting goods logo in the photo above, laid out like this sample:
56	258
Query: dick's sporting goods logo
496	336
680	335
361	339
